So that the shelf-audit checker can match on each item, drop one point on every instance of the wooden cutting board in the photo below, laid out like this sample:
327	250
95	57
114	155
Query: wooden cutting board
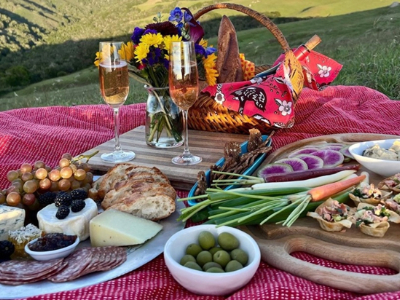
208	145
351	247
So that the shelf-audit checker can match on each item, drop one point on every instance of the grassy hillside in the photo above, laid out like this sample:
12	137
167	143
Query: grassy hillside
366	43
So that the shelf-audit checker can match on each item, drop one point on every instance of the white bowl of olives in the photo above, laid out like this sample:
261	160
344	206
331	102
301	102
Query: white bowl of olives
210	260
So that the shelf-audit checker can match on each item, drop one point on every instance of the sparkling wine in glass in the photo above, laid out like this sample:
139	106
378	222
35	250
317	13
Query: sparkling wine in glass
184	90
114	88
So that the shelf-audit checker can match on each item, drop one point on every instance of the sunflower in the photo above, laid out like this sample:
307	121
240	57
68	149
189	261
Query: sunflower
127	52
97	59
141	52
167	42
210	69
152	39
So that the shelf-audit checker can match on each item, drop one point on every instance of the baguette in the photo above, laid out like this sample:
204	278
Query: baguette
228	62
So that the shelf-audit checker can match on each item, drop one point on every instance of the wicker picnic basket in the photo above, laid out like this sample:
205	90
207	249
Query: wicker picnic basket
206	114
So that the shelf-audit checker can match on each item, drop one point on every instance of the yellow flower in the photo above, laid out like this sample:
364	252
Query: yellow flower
127	51
210	69
168	39
203	43
97	59
152	39
141	52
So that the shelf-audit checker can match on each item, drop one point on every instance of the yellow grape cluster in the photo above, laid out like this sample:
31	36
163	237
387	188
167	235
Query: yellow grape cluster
29	182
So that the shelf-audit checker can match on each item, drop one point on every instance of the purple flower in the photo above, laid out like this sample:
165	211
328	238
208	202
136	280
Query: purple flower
199	50
175	15
187	17
210	50
137	34
154	56
150	31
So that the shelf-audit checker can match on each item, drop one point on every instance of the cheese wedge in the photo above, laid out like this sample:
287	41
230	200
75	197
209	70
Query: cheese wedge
11	218
74	224
117	228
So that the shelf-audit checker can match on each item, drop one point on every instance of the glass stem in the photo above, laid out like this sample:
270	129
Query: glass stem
116	130
186	152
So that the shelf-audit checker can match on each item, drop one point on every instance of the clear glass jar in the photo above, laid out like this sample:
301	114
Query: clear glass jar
164	123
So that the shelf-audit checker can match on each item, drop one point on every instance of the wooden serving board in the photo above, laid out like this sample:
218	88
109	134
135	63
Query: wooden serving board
351	247
208	145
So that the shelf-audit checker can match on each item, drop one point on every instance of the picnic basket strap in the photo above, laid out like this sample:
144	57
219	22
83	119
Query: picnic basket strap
208	115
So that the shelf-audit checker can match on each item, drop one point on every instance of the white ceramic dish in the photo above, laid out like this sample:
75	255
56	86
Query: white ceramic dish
47	255
204	283
379	166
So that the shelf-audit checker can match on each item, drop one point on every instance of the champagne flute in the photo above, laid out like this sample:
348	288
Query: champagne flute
184	90
114	87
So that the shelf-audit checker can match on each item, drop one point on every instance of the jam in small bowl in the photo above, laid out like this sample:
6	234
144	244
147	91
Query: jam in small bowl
52	245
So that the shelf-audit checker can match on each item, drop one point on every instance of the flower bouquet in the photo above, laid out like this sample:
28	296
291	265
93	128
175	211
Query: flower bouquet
147	55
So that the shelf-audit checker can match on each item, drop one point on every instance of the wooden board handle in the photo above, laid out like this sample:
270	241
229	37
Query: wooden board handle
277	254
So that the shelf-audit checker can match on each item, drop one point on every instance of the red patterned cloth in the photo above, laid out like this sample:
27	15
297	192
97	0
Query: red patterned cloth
46	133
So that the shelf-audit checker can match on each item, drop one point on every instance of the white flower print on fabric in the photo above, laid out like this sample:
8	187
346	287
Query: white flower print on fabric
324	70
284	107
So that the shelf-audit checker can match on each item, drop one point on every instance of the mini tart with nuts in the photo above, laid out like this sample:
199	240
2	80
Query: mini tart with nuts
332	215
391	183
368	193
374	220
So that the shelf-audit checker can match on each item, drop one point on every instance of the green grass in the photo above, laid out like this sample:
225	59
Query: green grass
366	43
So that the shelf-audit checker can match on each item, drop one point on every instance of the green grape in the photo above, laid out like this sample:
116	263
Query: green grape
28	199
30	186
64	185
45	184
38	164
26	168
64	162
80	174
66	172
54	175
41	173
67	156
26	176
13	199
12	175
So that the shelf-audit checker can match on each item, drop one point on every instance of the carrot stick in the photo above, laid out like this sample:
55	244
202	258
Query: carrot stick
324	191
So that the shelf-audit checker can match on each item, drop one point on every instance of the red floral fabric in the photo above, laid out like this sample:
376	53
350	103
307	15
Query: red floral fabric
272	98
27	135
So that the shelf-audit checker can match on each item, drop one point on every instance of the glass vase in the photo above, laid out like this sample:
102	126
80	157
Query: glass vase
164	123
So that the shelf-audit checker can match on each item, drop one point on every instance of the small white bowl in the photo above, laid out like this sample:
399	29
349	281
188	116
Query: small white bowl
382	167
47	255
204	283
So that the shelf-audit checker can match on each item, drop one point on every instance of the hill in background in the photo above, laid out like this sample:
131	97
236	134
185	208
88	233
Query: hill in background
42	39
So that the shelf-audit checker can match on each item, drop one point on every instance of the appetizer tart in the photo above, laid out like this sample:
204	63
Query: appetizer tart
393	204
332	215
369	194
374	220
391	183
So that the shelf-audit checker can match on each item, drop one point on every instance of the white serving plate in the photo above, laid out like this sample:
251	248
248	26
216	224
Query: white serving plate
137	257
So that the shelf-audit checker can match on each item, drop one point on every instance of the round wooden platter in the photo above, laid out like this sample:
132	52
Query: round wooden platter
351	246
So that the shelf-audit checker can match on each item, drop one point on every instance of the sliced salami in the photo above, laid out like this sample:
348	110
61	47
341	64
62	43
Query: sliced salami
77	262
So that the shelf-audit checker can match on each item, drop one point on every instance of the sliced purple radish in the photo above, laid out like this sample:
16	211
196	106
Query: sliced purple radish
345	151
312	161
296	163
331	158
275	168
305	150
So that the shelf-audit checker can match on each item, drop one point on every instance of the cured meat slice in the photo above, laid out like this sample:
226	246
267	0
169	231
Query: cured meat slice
77	262
26	273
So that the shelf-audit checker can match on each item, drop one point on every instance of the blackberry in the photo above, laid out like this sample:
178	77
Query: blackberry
79	194
62	212
63	198
6	249
47	198
77	205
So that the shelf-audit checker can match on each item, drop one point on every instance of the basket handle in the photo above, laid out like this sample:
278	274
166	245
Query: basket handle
252	13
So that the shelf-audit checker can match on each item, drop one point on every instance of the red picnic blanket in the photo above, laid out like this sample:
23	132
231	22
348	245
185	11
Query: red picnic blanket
27	135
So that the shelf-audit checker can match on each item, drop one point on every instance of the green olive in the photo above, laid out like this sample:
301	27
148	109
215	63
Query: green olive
187	258
233	265
203	257
211	264
193	265
222	258
240	255
228	241
206	240
215	270
193	249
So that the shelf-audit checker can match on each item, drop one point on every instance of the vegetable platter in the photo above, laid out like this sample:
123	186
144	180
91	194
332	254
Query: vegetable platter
349	246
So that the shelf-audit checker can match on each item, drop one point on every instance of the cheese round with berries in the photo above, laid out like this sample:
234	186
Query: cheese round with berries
74	224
